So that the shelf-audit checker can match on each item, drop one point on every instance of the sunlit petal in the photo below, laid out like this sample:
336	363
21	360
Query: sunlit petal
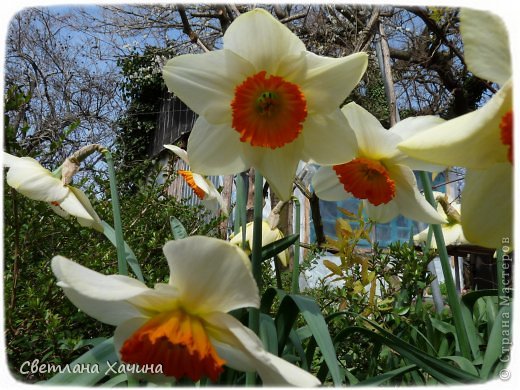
272	40
224	284
411	203
487	206
181	153
327	186
472	140
486	45
213	149
273	370
330	80
100	296
206	82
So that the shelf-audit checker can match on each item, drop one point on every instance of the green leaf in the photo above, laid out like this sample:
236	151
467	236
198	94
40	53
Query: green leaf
129	253
463	363
272	249
96	360
494	346
380	379
92	342
298	347
178	230
115	381
437	368
286	316
268	333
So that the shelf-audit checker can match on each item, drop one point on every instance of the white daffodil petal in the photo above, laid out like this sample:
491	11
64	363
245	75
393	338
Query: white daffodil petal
408	198
93	284
92	220
407	128
472	140
29	178
487	205
273	370
213	149
383	213
327	186
181	153
101	297
201	182
258	37
486	45
369	133
225	283
206	82
125	330
333	127
278	167
330	80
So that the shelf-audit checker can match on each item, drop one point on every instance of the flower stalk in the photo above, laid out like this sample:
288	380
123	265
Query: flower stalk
453	298
116	209
295	288
256	255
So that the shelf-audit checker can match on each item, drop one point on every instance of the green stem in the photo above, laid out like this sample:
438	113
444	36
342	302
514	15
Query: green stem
256	259
453	297
240	215
295	285
116	209
256	247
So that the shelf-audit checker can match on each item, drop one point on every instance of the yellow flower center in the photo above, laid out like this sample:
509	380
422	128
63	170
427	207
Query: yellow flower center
366	179
506	133
188	177
178	342
268	112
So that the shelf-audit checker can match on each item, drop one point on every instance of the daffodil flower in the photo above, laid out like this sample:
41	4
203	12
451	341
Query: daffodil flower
481	141
379	174
182	325
452	230
269	235
265	102
202	187
29	178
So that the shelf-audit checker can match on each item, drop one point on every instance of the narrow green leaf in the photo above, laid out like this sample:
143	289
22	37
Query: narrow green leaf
96	360
178	230
268	333
129	254
380	379
494	346
115	381
470	298
298	347
314	319
272	249
439	369
268	297
463	363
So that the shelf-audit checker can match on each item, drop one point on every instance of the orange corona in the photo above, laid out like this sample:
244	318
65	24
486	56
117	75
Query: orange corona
506	133
177	341
268	111
366	179
188	177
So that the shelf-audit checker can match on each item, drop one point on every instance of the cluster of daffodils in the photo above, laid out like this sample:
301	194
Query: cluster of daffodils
265	102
